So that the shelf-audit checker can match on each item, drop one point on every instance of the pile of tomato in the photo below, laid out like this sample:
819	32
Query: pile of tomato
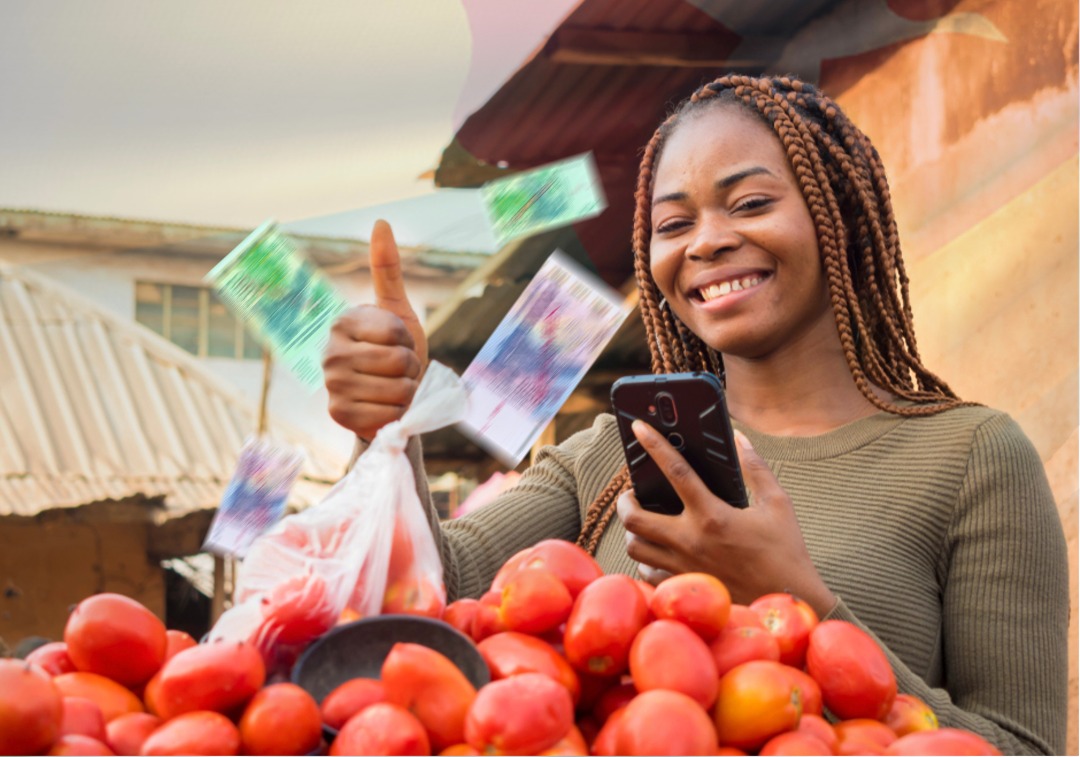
581	663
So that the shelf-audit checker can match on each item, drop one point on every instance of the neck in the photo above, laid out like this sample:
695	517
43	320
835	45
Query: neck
804	391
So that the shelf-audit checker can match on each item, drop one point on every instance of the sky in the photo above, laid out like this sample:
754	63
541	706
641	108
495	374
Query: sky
229	113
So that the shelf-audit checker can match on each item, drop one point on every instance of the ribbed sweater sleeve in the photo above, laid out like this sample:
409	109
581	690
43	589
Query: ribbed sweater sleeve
1005	602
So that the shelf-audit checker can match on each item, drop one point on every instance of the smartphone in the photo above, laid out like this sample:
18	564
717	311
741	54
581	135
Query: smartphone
690	411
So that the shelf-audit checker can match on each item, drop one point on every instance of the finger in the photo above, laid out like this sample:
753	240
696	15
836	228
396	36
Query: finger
759	479
363	418
374	389
365	359
386	271
687	484
654	528
366	323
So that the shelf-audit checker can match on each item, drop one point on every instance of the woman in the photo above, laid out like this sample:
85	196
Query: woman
766	249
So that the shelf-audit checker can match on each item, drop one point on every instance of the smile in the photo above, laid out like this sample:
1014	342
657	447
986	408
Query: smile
724	288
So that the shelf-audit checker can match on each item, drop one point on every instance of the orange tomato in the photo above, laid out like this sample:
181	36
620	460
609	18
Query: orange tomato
83	717
117	637
113	699
664	722
177	641
534	600
79	744
464	750
795	743
853	672
125	735
573	743
218	676
738	644
511	653
430	686
281	719
667	654
31	709
809	692
909	714
414	595
953	741
382	729
790	620
53	658
757	700
606	617
742	616
198	732
350	698
699	600
523	714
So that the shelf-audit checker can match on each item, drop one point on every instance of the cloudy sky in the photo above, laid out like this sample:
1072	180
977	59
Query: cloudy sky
228	113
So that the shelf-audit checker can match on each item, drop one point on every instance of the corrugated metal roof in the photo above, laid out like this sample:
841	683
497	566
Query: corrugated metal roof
94	408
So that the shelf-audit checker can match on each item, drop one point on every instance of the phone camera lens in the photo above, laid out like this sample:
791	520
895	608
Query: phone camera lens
676	440
665	403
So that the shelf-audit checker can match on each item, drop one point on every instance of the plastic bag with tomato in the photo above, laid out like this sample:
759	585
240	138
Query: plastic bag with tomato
365	549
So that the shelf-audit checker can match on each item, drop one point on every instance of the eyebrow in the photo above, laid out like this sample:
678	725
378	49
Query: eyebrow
724	183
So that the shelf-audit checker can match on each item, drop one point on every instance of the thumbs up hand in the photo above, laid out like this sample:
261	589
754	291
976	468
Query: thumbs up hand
376	353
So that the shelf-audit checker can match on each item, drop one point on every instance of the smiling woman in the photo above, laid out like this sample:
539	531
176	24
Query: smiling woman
765	248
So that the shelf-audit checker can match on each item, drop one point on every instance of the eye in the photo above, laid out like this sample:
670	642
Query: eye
668	226
752	203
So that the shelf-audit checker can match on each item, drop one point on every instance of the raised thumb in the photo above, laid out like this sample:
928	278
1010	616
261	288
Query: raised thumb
389	284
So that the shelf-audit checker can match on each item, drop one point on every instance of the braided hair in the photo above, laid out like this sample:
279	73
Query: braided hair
842	179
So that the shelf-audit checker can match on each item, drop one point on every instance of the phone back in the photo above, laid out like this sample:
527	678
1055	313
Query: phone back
690	411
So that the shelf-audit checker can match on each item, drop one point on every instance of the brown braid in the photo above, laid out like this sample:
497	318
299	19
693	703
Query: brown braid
843	180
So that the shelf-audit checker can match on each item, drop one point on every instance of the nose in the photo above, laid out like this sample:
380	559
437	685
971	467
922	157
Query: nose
714	235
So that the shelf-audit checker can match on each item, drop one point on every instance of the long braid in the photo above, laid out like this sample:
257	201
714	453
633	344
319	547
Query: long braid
843	181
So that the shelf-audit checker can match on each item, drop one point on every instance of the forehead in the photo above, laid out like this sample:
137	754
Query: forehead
718	140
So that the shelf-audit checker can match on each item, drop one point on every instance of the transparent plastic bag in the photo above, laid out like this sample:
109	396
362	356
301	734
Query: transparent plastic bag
365	549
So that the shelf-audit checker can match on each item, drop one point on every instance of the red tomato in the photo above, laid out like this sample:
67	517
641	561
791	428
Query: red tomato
414	595
667	654
382	729
730	751
512	653
607	615
199	732
738	644
115	636
31	709
125	735
604	743
534	600
459	749
53	658
613	699
218	676
281	719
350	698
177	641
113	699
854	674
523	714
298	610
573	743
461	614
402	554
944	741
809	692
790	620
820	728
575	567
794	742
742	616
647	591
664	722
699	600
909	714
862	736
83	717
757	700
592	688
79	744
150	694
488	619
430	686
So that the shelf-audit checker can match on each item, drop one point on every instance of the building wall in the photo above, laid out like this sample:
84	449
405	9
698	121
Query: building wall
49	563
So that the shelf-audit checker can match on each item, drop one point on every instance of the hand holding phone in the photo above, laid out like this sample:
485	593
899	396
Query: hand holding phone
690	411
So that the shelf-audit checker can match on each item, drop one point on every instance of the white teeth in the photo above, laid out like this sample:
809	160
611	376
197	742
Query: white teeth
714	291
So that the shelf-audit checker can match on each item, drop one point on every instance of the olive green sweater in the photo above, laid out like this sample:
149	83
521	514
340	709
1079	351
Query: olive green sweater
938	534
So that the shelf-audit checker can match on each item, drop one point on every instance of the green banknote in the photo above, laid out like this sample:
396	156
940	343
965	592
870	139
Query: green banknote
554	195
272	287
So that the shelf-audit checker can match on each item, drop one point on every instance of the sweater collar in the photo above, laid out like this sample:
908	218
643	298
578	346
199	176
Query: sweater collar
839	441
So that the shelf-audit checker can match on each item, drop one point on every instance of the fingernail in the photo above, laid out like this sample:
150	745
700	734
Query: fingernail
743	442
641	429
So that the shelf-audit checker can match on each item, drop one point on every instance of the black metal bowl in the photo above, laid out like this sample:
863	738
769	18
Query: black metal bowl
358	649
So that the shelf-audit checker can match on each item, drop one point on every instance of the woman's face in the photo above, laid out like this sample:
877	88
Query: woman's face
733	247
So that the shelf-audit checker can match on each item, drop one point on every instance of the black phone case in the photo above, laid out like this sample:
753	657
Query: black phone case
701	432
